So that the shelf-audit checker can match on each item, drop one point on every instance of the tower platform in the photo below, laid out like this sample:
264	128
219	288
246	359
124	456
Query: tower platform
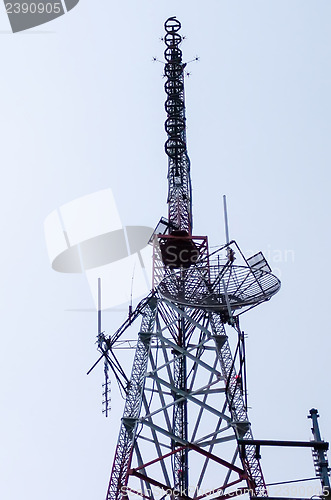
241	286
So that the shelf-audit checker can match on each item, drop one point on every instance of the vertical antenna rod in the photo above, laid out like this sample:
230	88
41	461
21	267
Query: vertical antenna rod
99	306
179	181
226	222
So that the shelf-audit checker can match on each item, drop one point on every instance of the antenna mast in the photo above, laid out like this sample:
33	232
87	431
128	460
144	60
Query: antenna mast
180	191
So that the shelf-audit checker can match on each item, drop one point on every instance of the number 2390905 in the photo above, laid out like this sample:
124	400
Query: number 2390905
33	8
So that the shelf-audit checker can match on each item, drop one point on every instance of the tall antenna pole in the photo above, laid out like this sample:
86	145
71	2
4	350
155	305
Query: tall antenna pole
180	192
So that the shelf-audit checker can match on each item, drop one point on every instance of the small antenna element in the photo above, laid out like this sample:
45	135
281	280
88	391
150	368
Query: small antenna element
227	239
230	252
99	306
130	305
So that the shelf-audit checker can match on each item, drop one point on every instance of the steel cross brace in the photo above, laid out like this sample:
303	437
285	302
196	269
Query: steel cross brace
183	398
174	491
188	396
187	353
196	448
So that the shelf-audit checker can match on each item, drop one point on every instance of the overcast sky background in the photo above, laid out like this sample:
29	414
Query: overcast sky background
82	109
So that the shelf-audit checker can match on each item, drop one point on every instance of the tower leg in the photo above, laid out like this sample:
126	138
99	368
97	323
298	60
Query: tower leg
180	414
122	460
236	404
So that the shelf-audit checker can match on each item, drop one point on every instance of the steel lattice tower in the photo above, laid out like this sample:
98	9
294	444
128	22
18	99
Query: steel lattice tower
185	400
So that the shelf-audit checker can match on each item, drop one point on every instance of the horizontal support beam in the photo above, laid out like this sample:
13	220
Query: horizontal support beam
318	445
216	441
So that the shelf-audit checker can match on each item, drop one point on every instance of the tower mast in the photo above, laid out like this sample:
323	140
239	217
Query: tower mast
179	181
180	218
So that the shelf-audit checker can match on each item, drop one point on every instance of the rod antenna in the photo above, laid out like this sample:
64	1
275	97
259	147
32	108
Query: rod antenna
227	238
130	305
99	306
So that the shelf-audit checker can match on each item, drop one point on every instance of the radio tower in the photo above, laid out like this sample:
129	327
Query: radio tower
185	416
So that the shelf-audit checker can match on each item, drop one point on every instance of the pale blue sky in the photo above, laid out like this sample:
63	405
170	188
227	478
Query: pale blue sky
82	108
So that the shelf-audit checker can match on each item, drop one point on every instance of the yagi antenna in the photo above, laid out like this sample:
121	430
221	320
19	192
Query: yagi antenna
106	385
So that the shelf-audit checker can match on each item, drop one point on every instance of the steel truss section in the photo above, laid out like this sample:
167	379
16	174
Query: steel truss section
180	412
133	404
183	413
237	406
179	181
